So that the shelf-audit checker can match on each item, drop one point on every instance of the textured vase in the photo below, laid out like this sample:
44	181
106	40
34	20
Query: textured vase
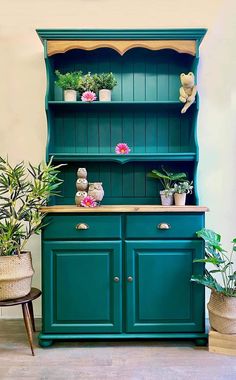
166	200
104	95
16	274
222	313
180	199
70	95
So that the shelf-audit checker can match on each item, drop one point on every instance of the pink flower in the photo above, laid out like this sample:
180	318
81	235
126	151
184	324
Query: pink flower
122	148
88	202
88	96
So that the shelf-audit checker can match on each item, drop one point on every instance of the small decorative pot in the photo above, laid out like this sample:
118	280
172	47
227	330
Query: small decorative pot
105	95
222	313
70	95
16	274
180	199
166	200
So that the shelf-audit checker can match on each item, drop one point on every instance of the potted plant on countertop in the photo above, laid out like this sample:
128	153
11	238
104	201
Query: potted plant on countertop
167	180
23	191
88	88
222	303
70	83
105	83
181	189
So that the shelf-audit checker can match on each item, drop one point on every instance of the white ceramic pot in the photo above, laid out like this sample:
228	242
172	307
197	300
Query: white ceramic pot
104	95
70	95
166	200
16	274
180	199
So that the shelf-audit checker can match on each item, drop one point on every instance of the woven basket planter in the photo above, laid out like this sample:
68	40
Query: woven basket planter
15	276
222	313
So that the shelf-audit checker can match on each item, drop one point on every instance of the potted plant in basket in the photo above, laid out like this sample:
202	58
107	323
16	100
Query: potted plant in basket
181	189
222	303
167	180
88	88
70	83
22	194
105	83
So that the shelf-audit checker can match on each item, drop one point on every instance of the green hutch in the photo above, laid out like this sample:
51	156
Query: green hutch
122	270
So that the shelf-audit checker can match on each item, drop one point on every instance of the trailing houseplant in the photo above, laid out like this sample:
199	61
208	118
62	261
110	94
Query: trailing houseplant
181	189
222	303
23	191
105	83
70	83
167	180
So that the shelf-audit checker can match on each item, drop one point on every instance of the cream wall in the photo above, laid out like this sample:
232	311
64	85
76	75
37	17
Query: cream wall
23	123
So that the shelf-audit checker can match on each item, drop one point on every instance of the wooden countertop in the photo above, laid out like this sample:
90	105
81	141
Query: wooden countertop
122	208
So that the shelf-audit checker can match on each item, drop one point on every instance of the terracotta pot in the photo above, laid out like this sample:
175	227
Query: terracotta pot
104	95
16	274
166	200
180	199
222	313
70	95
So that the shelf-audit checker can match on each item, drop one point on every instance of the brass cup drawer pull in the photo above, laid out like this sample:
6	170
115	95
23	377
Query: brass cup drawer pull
164	226
82	226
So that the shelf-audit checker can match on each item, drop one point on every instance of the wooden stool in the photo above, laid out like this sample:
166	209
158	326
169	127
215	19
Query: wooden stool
28	312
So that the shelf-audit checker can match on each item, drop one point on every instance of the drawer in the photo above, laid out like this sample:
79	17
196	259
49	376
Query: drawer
163	226
82	226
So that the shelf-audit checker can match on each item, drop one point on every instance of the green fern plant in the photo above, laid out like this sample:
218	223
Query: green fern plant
23	191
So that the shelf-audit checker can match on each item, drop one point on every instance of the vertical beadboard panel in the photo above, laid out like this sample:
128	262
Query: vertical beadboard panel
139	132
139	181
185	134
128	129
93	132
163	133
116	130
174	82
59	133
69	132
128	180
127	80
174	133
151	132
81	140
104	132
162	81
139	81
105	178
116	69
116	181
151	81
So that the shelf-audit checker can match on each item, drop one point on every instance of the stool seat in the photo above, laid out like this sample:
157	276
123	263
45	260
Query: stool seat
28	312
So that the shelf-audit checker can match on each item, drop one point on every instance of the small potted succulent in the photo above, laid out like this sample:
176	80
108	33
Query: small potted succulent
167	180
105	83
222	303
23	191
70	83
181	189
88	88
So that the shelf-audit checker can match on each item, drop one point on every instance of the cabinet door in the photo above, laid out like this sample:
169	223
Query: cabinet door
160	296
80	291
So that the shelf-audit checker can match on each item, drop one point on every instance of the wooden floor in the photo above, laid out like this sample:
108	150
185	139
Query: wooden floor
136	360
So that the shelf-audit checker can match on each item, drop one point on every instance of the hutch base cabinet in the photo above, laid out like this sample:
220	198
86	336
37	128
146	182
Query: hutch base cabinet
122	270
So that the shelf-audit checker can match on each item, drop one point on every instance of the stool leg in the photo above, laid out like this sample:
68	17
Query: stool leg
31	310
28	326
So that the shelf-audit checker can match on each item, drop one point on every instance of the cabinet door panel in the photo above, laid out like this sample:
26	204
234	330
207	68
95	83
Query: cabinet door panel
161	297
80	294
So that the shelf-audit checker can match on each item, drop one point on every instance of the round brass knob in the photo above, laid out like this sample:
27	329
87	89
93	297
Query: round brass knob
116	279
130	279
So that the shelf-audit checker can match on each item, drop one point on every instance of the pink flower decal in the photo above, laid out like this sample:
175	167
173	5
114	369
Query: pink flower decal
88	202
88	96
122	148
